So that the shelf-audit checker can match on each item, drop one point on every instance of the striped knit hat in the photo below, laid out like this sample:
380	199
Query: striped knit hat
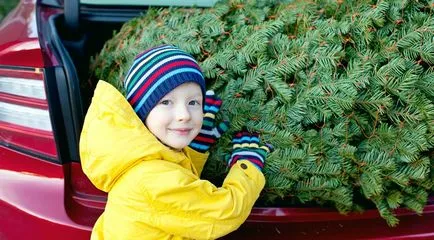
157	71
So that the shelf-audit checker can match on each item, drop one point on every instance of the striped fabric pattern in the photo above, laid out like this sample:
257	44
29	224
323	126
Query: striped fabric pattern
246	146
209	132
157	71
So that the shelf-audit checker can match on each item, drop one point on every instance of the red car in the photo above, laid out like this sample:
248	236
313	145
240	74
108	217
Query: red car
45	47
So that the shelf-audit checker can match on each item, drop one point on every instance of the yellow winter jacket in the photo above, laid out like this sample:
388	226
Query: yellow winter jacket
155	192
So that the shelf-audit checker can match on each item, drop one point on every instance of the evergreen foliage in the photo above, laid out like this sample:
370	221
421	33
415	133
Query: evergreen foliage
5	7
343	90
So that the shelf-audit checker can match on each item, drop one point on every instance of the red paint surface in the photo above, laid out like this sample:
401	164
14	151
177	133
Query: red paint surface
19	44
32	200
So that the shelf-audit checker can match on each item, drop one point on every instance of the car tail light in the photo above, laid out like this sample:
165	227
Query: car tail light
25	121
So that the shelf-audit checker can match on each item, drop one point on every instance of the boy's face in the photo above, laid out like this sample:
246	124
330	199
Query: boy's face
177	118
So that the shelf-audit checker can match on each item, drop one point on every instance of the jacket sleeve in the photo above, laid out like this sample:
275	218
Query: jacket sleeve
198	159
184	205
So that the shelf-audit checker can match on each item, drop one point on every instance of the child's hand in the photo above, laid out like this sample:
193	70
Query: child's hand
246	147
209	133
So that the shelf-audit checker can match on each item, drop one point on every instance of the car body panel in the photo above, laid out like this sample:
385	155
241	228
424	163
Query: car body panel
19	43
32	199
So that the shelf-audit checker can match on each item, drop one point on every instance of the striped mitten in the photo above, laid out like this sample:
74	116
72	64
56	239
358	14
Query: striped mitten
246	146
209	133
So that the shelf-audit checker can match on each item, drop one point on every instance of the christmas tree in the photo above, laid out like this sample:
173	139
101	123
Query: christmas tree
343	90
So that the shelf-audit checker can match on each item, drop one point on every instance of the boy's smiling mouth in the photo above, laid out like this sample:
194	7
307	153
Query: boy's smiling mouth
181	131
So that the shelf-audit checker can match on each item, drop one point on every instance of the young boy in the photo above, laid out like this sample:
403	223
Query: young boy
148	150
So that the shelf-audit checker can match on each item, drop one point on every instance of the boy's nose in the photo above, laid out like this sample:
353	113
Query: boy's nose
182	113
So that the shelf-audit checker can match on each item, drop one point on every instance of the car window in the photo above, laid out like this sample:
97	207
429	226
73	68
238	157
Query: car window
183	3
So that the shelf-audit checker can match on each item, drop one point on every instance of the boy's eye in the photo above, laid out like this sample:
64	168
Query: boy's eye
165	102
194	103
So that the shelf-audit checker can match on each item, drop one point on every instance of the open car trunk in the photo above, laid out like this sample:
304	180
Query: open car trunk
74	49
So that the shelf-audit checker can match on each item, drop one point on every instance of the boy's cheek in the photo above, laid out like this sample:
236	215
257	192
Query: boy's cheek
197	130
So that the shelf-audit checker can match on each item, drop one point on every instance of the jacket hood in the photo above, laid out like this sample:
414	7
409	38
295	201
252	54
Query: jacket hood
114	139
